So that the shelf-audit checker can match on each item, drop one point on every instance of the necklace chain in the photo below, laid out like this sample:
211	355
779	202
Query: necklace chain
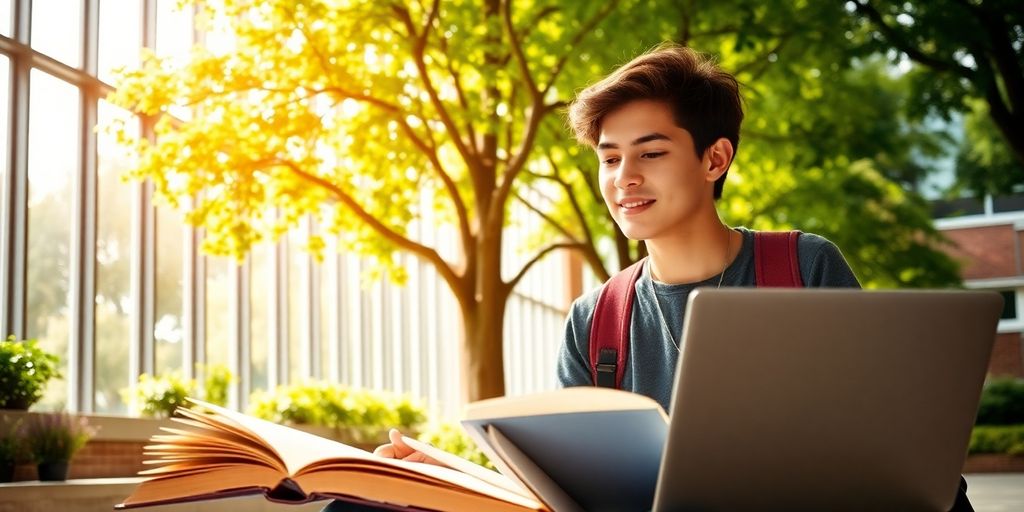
721	276
728	249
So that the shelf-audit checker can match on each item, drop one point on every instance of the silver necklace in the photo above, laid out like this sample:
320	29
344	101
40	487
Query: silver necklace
657	302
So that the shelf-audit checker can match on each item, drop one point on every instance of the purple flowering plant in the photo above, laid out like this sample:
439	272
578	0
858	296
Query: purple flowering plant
56	437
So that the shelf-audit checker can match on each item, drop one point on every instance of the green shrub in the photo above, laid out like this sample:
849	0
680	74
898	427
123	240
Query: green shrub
364	414
11	446
24	371
216	384
451	438
997	439
158	397
307	404
55	437
1002	402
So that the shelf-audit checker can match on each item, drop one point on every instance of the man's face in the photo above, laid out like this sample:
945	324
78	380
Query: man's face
651	178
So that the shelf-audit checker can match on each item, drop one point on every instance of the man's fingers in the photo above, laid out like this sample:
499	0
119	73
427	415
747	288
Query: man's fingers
386	451
402	450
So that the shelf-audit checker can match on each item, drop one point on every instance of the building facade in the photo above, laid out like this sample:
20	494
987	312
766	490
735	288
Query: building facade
987	237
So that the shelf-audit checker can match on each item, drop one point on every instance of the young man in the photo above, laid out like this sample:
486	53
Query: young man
665	128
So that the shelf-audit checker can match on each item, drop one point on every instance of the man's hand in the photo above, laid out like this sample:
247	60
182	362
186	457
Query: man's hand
398	449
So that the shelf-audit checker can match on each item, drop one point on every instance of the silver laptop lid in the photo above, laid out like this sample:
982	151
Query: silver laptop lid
819	399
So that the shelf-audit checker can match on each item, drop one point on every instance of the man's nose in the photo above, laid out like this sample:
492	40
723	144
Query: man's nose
627	175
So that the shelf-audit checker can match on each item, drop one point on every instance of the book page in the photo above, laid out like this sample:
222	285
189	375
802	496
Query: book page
216	480
412	493
459	464
294	447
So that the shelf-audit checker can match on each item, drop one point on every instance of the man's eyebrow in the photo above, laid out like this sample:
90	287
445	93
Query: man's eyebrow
646	138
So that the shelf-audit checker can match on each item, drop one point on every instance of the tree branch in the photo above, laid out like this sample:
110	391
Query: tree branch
420	250
762	60
586	29
561	229
446	179
435	100
576	208
1007	60
543	13
511	285
461	94
897	39
517	49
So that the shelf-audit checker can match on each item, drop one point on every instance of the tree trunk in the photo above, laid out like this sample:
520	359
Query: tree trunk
483	319
482	354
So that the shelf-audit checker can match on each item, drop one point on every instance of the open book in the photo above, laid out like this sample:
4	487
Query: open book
533	440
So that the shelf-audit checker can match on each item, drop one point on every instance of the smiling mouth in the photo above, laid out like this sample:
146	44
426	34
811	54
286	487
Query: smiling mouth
635	204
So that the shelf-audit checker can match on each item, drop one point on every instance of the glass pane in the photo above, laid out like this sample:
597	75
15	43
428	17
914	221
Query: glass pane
173	29
218	309
327	281
113	262
5	93
6	14
174	39
53	123
57	29
259	301
1009	305
168	329
120	36
298	332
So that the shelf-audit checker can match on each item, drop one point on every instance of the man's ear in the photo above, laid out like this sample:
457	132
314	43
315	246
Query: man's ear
717	159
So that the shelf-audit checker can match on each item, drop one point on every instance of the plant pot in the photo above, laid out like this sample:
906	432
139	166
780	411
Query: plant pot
53	471
6	473
17	404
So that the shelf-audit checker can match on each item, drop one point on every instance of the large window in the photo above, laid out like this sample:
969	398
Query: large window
113	264
57	29
112	280
53	148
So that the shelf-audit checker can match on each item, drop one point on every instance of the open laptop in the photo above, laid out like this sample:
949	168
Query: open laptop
825	399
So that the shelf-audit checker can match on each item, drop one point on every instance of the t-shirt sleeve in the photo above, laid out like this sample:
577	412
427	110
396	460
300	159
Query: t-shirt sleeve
822	264
574	354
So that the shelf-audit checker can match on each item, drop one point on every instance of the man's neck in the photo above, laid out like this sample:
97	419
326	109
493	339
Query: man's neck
693	253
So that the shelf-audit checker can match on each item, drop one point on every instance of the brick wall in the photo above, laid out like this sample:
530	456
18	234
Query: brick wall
98	459
989	251
1007	355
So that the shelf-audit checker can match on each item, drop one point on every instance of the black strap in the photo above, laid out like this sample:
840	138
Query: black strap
606	367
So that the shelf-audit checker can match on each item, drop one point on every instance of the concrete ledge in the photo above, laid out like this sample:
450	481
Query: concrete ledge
101	494
111	428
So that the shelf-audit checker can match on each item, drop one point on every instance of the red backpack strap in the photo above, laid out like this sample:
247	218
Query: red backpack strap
609	329
776	263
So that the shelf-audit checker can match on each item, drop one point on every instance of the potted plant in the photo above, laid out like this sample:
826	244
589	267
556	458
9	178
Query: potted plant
24	371
158	397
53	439
10	449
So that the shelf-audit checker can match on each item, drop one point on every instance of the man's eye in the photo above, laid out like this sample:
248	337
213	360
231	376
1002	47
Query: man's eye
652	155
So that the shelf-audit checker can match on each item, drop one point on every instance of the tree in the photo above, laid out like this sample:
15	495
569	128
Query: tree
352	115
813	153
365	108
966	50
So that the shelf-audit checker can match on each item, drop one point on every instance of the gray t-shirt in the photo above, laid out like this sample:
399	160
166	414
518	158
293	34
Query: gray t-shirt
657	320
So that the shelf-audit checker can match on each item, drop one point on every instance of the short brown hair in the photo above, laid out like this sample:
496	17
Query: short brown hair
705	100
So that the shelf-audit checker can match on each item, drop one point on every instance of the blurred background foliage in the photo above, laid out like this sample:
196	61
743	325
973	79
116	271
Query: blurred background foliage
380	118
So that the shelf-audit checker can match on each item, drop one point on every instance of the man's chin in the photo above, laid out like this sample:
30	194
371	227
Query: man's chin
635	232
